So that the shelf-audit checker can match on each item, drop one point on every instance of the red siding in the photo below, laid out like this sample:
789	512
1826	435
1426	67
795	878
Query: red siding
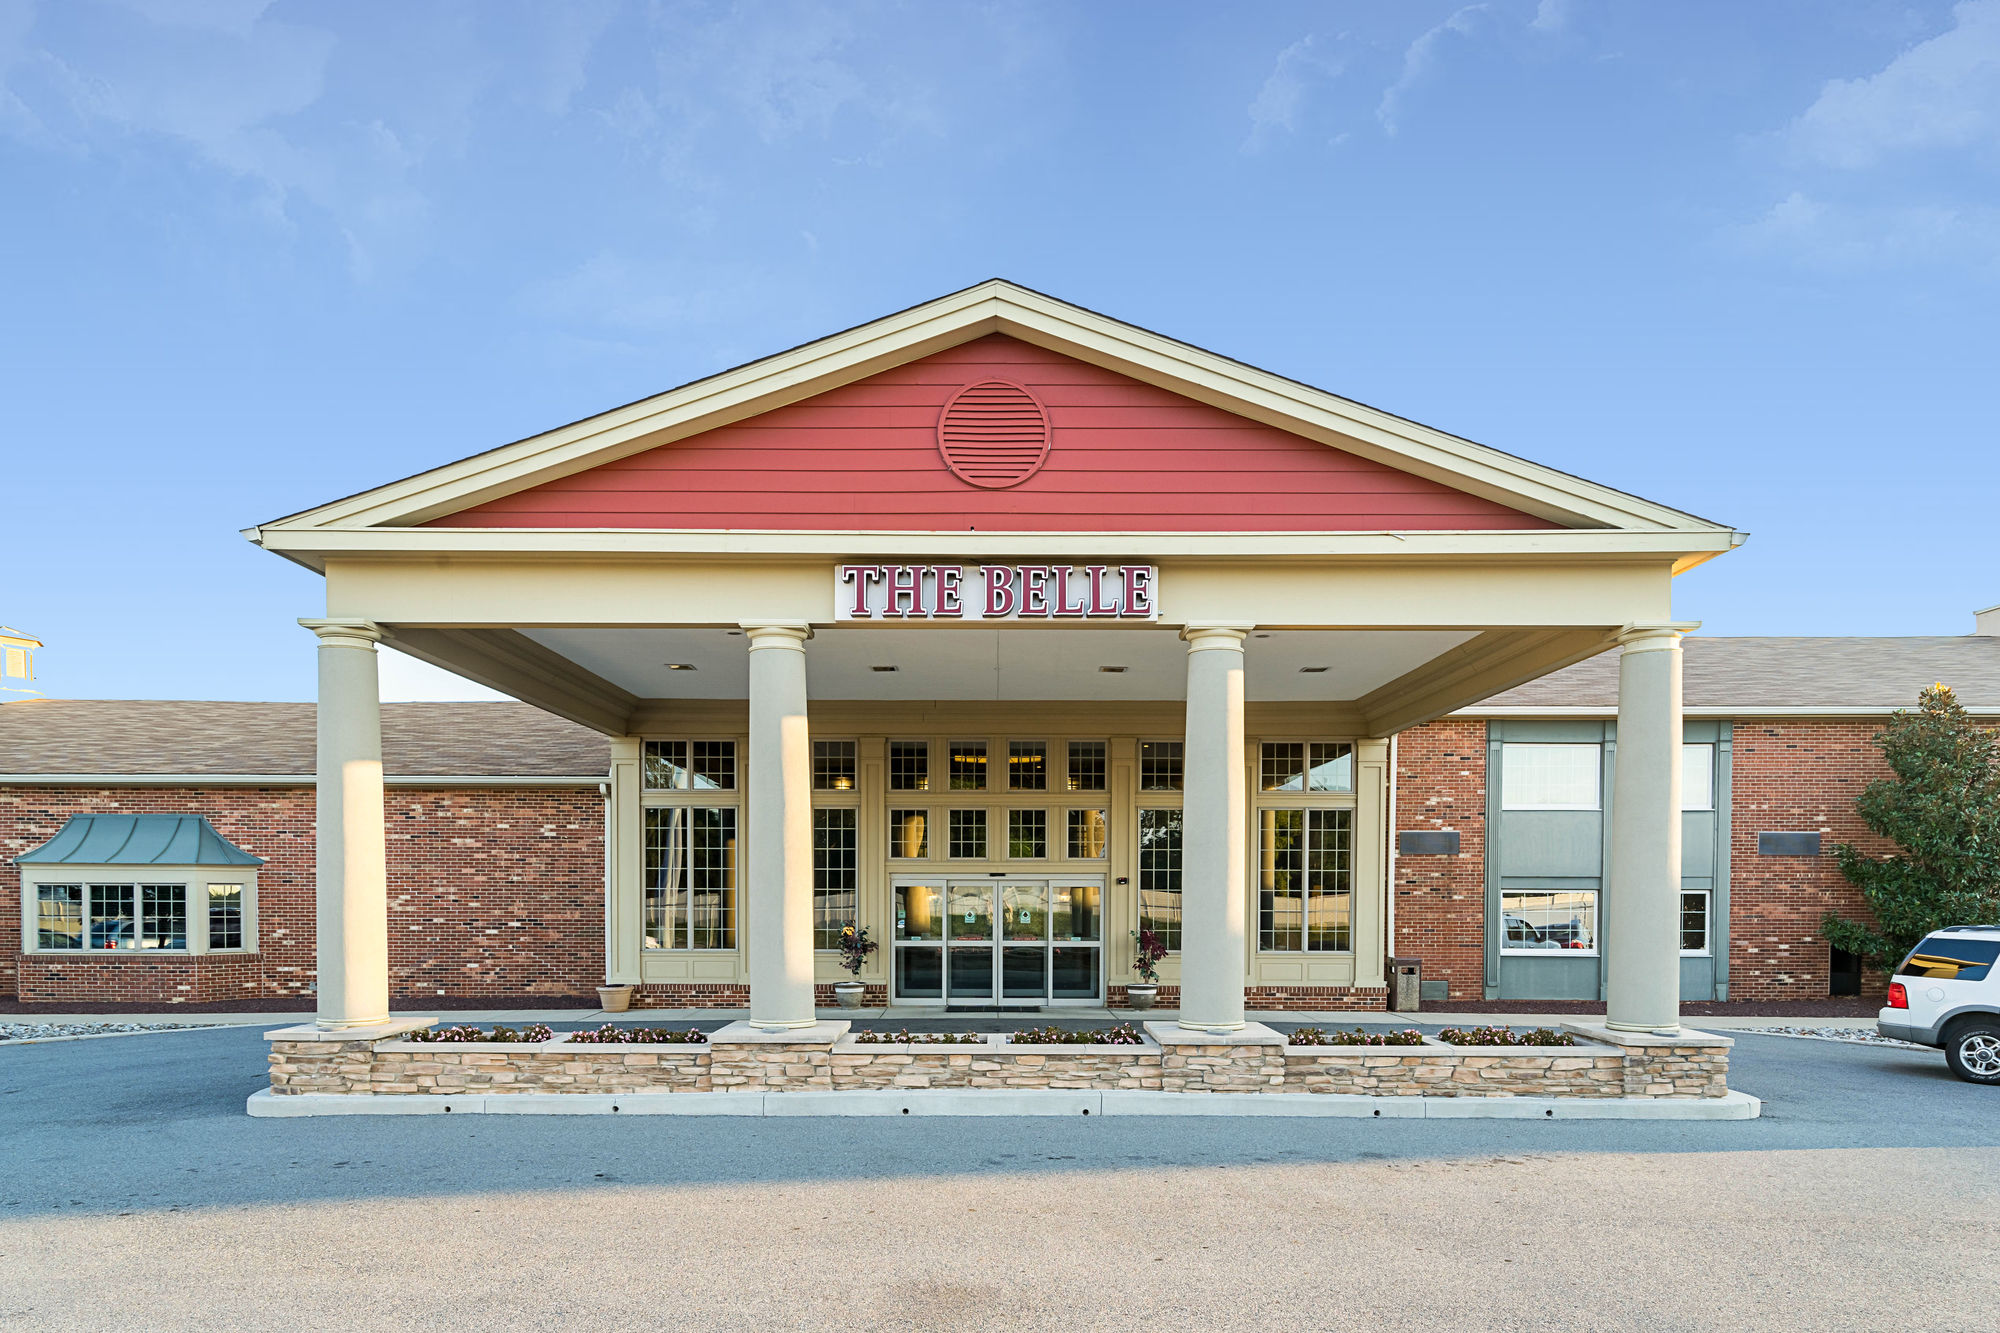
1126	457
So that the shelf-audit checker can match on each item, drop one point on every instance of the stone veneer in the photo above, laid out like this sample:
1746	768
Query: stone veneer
825	1057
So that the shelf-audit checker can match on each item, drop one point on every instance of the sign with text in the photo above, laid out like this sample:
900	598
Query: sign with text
996	592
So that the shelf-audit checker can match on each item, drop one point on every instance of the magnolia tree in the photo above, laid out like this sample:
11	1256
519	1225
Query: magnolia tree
1942	810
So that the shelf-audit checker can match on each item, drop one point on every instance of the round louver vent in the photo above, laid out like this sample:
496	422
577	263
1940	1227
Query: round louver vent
993	434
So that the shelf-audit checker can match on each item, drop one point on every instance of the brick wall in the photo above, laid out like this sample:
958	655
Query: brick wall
1795	777
1440	900
492	893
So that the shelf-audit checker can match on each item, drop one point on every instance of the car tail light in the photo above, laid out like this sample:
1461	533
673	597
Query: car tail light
1898	997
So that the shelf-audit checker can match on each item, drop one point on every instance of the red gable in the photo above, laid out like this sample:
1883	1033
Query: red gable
1119	456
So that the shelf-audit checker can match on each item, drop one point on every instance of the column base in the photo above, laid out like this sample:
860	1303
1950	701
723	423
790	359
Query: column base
1186	1026
350	1024
780	1025
1649	1029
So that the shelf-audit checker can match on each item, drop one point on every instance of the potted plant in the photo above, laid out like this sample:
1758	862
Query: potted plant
614	997
1145	961
855	946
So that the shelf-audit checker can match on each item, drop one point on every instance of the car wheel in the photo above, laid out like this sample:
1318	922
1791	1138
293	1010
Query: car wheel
1973	1052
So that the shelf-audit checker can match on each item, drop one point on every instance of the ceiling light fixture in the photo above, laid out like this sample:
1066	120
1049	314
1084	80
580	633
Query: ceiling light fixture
1112	671
1311	671
881	668
678	666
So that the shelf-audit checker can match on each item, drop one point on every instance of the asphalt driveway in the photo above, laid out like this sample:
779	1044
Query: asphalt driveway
134	1193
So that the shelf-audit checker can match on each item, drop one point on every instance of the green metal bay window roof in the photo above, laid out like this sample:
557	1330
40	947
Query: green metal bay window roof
138	840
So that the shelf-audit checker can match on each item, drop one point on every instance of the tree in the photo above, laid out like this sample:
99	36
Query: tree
1942	810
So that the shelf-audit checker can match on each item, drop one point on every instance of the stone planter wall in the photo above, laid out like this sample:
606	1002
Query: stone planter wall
825	1058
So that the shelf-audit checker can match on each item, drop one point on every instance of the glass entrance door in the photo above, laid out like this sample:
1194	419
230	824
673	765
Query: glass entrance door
1020	941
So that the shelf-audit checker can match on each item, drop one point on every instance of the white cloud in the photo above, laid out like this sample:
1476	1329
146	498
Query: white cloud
1842	237
1940	94
1553	15
1283	96
1419	59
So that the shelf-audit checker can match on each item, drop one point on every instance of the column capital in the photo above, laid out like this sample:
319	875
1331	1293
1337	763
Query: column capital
346	632
777	634
1655	636
1213	635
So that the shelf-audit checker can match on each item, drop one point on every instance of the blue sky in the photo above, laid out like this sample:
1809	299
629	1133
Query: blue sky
1742	259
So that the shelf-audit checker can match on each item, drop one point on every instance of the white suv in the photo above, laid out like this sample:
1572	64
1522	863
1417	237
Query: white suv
1947	994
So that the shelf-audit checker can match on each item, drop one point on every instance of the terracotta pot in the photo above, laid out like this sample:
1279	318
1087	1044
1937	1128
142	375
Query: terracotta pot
614	999
849	993
1140	997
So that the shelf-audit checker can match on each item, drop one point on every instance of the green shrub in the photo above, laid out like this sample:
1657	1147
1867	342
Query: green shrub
1355	1037
461	1032
907	1037
1119	1034
1505	1037
610	1035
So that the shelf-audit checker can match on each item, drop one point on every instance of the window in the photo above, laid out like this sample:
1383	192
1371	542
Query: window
1160	765
835	874
833	765
1086	835
163	916
1086	766
1027	766
690	878
690	765
1694	921
968	765
1697	777
1305	892
1306	766
1028	835
1550	777
1535	921
909	834
225	916
59	916
1951	958
1160	875
111	921
968	834
909	766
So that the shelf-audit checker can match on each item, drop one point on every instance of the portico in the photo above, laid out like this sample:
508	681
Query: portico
996	726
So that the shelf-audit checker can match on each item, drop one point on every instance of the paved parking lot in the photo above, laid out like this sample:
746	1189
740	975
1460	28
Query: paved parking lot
134	1193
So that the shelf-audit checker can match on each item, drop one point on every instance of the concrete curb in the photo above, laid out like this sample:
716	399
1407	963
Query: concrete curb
100	1036
996	1102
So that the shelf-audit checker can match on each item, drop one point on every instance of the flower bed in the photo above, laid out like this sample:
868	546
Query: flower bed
1505	1037
610	1035
906	1037
1118	1034
532	1033
1355	1037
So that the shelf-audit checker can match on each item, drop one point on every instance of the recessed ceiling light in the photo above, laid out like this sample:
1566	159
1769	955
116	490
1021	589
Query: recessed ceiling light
1312	671
881	668
678	666
1112	671
1260	636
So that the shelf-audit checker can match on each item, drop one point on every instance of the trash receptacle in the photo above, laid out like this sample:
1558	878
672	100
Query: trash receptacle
1406	984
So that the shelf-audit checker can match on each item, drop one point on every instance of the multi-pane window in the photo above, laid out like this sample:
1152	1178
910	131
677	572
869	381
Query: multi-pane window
1160	765
690	765
1306	766
163	918
690	878
1694	921
1086	766
1159	870
1305	893
1536	921
968	835
1697	777
1027	766
833	766
225	916
909	766
1549	777
968	765
909	834
112	922
1028	834
836	869
1086	835
59	916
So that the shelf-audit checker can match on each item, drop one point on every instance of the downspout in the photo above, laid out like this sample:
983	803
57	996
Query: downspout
604	790
1391	834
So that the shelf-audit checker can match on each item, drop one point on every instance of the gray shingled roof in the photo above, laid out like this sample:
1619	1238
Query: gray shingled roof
135	737
138	840
1744	675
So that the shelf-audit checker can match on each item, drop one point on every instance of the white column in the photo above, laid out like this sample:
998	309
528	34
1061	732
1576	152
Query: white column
779	831
1214	849
353	881
1642	963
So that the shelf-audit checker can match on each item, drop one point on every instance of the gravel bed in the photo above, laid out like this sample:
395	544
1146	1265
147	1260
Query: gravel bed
44	1031
1860	1036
